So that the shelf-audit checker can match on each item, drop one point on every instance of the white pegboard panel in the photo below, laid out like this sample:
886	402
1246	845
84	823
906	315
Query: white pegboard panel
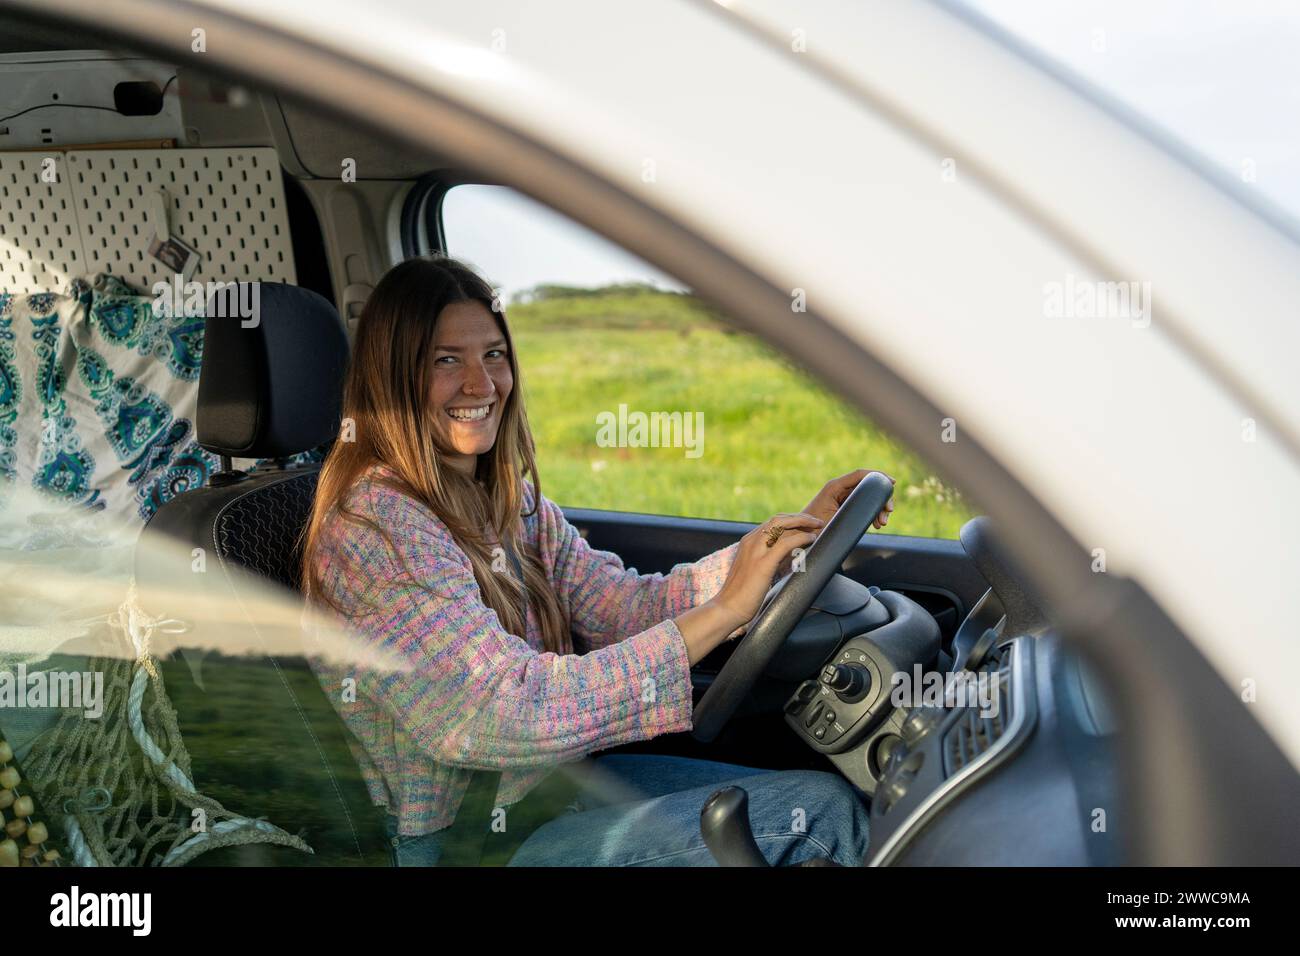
40	248
228	204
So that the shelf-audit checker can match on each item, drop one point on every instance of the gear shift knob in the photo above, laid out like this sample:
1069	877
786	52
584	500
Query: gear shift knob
724	824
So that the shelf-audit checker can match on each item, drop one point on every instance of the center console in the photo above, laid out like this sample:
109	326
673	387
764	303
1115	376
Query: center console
943	750
910	737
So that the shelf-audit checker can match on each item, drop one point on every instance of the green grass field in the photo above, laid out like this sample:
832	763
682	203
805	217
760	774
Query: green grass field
772	436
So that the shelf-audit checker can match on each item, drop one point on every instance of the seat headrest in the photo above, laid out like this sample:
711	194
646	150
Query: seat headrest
271	382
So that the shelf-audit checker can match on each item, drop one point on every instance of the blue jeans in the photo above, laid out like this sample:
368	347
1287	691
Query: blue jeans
644	810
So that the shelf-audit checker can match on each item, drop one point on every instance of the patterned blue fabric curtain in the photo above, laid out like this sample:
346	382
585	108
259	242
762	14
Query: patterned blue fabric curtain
98	392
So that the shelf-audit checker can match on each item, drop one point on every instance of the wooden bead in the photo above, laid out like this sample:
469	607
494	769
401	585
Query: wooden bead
8	853
23	807
51	855
6	752
30	852
38	833
9	778
16	828
7	798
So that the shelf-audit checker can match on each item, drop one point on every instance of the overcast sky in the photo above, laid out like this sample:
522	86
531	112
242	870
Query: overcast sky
1223	77
517	243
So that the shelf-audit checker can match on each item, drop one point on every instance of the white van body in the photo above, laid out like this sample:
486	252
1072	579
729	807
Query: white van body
817	144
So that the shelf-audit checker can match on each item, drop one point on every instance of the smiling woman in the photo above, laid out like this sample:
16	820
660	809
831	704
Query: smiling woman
425	362
516	675
472	379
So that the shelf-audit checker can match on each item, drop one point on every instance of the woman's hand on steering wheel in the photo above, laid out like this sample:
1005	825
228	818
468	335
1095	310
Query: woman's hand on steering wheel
761	552
832	495
790	600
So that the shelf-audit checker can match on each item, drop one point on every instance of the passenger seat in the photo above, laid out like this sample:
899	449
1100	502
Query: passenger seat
262	737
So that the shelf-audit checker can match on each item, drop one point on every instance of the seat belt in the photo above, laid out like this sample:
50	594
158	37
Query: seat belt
464	843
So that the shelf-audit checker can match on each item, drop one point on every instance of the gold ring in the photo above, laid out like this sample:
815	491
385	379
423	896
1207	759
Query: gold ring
773	533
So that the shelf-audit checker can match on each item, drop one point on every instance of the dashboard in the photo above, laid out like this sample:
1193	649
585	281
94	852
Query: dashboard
1001	752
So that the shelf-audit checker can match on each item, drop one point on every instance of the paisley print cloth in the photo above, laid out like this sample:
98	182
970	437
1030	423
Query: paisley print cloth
98	392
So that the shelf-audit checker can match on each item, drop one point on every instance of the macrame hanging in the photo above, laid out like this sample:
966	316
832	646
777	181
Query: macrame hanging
123	782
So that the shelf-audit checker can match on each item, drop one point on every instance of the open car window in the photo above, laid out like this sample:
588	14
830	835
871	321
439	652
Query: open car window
643	398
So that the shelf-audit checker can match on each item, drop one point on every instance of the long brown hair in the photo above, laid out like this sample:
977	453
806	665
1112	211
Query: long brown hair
386	400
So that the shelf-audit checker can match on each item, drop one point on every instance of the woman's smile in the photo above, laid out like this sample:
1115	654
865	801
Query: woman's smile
472	416
471	382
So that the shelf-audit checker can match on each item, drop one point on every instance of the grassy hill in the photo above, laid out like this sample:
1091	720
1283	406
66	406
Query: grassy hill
772	436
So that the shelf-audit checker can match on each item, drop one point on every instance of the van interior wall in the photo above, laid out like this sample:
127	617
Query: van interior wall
343	187
355	185
342	191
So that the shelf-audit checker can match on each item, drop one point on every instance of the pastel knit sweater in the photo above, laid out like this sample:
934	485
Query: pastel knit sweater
467	694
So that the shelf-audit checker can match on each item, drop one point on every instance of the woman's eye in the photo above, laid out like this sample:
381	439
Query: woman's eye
491	354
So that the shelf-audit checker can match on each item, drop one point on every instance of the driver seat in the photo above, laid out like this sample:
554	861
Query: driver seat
263	738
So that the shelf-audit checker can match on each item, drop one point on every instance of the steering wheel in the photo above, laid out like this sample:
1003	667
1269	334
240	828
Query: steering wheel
786	604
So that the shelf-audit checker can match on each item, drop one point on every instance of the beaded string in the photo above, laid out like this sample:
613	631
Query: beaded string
18	813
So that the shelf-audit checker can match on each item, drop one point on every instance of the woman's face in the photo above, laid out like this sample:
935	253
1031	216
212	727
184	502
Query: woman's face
471	380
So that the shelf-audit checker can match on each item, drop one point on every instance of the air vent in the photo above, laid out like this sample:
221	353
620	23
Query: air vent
976	731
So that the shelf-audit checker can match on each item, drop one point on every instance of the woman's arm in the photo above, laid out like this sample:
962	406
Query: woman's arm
606	601
472	695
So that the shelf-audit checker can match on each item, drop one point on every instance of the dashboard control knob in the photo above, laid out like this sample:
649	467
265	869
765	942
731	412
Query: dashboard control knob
849	681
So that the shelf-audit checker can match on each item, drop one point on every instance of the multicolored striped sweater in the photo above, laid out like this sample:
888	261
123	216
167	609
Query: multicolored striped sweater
468	695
